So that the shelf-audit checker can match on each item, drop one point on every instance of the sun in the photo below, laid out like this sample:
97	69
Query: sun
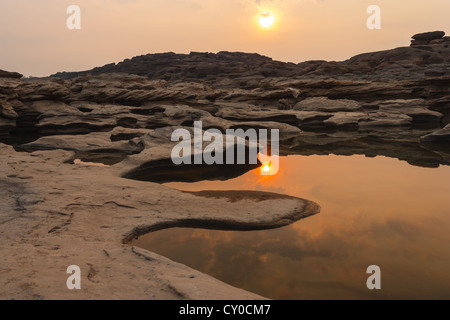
266	19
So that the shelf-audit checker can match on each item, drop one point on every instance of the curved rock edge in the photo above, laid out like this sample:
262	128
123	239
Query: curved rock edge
309	208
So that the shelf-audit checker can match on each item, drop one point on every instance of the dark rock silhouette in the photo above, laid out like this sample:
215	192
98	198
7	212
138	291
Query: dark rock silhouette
429	35
244	69
6	74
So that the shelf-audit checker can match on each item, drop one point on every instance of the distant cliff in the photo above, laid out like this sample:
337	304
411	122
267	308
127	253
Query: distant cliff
429	53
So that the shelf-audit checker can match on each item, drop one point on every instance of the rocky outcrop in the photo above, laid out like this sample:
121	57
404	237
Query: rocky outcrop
54	214
399	88
196	65
426	38
392	103
427	53
7	74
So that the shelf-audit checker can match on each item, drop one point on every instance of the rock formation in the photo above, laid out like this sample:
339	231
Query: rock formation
426	38
394	103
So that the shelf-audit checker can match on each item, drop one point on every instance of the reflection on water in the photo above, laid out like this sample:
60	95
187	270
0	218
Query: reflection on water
374	211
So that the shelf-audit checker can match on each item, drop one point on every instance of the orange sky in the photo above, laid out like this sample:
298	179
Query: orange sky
35	40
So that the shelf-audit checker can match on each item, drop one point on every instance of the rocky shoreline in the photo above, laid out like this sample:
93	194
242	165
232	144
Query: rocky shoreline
393	103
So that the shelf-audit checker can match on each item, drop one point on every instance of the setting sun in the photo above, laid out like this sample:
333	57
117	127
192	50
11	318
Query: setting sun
266	19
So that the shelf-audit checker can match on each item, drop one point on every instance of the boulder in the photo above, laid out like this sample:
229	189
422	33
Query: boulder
427	36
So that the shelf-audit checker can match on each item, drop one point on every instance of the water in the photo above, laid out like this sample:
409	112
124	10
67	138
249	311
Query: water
375	211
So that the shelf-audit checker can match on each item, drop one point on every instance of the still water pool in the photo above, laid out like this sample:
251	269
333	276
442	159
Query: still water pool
375	211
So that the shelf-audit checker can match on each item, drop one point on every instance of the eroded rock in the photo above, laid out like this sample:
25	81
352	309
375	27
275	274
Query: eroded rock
324	104
438	137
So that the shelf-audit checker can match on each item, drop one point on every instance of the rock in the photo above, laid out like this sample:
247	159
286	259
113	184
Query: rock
346	119
246	71
6	74
250	113
196	65
327	105
92	213
419	42
438	71
365	105
437	41
295	92
386	119
51	108
7	111
439	137
120	133
97	141
414	108
427	36
284	104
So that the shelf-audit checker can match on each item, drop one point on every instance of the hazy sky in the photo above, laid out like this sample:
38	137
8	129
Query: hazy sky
34	39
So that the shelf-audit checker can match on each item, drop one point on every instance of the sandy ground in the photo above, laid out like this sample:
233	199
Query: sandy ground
54	214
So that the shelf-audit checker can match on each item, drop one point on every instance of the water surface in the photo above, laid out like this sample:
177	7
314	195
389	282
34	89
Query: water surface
375	211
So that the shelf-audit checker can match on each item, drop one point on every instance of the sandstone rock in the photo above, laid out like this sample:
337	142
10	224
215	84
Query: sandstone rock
242	70
49	108
196	65
327	105
295	92
91	213
121	133
346	119
440	137
429	35
419	42
438	71
133	108
414	108
386	119
437	41
308	116
7	111
249	113
97	141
